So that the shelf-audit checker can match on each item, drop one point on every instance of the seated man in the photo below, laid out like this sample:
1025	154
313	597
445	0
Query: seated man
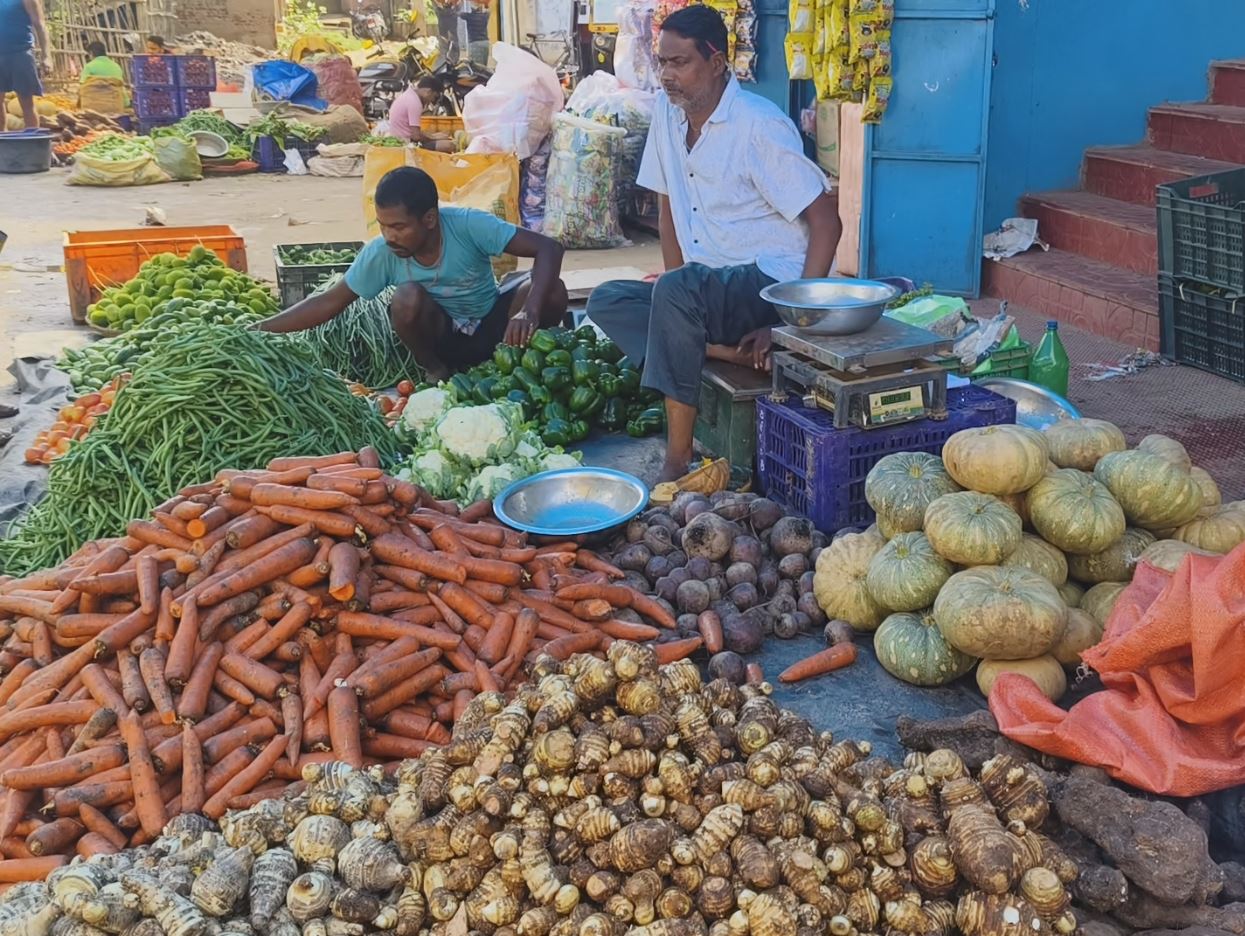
448	309
407	111
741	207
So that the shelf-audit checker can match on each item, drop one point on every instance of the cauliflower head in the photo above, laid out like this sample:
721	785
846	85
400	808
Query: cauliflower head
491	481
479	434
553	460
434	472
425	408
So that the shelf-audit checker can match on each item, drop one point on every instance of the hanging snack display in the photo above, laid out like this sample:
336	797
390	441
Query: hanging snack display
741	31
844	46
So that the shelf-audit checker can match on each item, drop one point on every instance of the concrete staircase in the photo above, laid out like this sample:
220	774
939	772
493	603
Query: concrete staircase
1100	272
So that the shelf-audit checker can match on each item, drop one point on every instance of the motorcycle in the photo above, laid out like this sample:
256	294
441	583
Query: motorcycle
385	79
382	82
368	23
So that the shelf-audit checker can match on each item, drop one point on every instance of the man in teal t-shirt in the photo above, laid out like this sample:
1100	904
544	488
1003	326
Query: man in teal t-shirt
448	309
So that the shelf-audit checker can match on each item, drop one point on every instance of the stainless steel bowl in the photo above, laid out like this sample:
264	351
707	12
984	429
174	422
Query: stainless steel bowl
1036	406
571	502
831	306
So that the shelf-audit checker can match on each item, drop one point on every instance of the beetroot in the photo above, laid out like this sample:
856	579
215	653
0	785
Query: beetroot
709	536
767	580
746	549
698	567
677	558
791	535
657	567
666	587
692	597
739	572
807	604
658	540
806	582
838	632
763	513
743	596
786	626
742	634
634	558
636	530
792	566
696	508
686	625
728	665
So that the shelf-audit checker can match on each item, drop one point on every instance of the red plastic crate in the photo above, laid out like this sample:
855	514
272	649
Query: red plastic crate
195	71
153	71
156	102
810	467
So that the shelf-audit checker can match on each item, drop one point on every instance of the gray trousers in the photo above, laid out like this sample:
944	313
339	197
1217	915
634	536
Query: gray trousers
667	324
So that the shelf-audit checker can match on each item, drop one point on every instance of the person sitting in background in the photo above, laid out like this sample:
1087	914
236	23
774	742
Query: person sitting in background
100	65
448	309
407	111
102	78
21	22
740	207
156	46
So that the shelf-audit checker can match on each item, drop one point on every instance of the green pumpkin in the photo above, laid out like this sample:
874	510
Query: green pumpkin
1037	555
910	647
1072	510
1080	443
901	485
1154	493
972	529
907	573
1000	614
1113	564
1071	593
1100	600
1168	554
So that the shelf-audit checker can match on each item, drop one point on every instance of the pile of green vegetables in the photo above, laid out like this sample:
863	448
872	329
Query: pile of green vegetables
213	123
282	130
470	452
382	139
314	255
567	382
167	278
208	397
361	345
90	368
115	147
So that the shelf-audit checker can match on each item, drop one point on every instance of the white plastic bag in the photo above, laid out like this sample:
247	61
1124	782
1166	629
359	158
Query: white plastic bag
514	111
601	97
634	62
294	164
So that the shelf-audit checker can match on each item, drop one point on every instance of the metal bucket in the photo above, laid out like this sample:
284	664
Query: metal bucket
24	151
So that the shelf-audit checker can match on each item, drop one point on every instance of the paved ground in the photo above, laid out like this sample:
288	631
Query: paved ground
1203	411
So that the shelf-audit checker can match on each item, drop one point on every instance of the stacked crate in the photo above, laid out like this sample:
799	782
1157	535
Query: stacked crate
168	87
1202	272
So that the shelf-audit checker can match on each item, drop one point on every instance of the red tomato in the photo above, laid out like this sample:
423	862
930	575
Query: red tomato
62	445
34	455
405	388
78	431
72	414
385	403
87	400
99	409
58	426
48	457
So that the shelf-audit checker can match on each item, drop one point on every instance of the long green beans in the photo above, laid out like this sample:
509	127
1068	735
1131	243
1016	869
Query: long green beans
206	398
361	345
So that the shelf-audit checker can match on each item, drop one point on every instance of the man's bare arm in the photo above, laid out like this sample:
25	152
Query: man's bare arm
312	311
824	231
34	9
671	252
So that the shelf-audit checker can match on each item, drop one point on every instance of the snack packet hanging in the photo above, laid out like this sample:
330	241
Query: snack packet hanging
799	17
876	100
880	63
798	48
745	63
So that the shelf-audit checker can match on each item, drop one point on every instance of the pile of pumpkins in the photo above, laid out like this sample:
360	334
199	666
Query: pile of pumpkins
1009	552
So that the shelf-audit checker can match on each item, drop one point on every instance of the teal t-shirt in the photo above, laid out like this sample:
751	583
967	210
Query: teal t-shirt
462	283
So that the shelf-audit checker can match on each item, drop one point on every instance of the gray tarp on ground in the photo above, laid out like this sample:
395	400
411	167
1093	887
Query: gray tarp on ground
41	390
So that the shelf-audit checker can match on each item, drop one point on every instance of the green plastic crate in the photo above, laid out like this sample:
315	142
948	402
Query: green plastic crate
1012	362
726	419
296	282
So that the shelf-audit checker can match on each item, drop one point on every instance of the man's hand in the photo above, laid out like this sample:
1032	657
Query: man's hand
756	345
45	64
519	331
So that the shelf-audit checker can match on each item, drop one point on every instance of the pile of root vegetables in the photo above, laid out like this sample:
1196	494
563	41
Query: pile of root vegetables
623	796
316	611
733	568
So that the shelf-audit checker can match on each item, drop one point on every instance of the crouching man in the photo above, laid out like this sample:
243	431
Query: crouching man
741	207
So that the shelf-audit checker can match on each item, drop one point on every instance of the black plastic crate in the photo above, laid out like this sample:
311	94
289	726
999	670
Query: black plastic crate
816	470
156	102
296	282
1202	230
193	99
1202	329
195	71
153	71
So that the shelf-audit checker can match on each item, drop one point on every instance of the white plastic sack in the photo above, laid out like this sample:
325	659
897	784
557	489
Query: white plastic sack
514	111
294	164
581	197
336	167
600	97
634	62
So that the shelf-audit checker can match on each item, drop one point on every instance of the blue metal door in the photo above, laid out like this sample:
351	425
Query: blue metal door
925	164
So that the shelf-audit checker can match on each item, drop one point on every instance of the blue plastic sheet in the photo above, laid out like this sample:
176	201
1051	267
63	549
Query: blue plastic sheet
285	81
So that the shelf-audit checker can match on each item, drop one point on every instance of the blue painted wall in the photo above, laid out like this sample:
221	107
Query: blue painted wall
1070	74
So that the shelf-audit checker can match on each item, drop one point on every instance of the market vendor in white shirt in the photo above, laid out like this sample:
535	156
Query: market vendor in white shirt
741	207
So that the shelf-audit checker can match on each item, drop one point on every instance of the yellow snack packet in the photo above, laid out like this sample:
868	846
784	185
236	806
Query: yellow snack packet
877	99
799	52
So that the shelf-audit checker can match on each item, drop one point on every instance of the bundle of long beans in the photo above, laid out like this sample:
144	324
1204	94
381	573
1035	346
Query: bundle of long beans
208	398
361	345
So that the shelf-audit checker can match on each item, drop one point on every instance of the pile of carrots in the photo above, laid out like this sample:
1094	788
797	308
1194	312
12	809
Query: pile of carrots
66	148
317	610
73	422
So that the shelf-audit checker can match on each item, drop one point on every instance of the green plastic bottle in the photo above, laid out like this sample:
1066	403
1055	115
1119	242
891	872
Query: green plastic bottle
1049	365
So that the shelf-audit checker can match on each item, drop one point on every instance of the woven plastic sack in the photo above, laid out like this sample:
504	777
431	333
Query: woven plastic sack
600	97
1171	716
336	80
112	173
534	171
178	158
102	95
634	62
581	193
513	112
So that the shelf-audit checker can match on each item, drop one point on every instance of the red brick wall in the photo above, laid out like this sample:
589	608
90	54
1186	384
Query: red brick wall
251	21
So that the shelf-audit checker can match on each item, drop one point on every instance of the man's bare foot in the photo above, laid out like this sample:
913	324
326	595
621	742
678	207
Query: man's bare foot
672	471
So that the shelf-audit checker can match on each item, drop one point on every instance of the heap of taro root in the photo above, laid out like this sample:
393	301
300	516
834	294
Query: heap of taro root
316	611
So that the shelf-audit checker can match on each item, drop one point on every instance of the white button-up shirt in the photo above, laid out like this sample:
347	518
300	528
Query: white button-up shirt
737	195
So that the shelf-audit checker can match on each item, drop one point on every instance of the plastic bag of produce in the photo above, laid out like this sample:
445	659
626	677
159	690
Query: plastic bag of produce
634	62
336	80
581	205
116	173
513	112
532	188
178	157
602	98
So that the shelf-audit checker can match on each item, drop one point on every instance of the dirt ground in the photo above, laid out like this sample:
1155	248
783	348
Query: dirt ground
1205	412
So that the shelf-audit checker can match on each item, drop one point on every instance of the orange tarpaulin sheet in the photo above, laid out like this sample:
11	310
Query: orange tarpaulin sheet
1171	718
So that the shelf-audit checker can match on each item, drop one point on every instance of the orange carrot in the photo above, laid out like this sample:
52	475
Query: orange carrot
194	699
342	483
230	688
243	558
391	746
525	624
244	638
375	627
101	688
272	495
285	629
13	681
251	673
397	599
123	632
30	869
247	778
343	571
92	844
824	661
292	725
328	522
385	676
241	604
146	788
284	559
408	724
554	615
66	770
497	571
564	647
97	726
371	520
41	716
29	607
592	609
586	559
55	837
193	792
314	462
181	656
710	627
250	529
486	679
147	575
226	769
755	675
625	630
151	665
403	692
397	550
493	647
343	713
244	733
99	824
620	596
166	627
344	663
147	532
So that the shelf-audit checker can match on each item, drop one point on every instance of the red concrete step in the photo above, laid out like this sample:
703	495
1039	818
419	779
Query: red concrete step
1120	233
1216	131
1227	82
1089	294
1130	173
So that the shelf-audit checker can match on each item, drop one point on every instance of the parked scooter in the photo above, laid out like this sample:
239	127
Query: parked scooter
367	22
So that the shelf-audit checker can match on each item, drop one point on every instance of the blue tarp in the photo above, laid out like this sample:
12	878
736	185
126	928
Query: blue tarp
284	81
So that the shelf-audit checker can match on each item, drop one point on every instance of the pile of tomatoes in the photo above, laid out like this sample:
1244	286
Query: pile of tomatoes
73	422
390	407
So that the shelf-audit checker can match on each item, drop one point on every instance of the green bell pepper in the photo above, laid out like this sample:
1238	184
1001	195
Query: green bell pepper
608	384
584	399
586	334
464	388
557	432
483	392
558	358
605	367
608	351
583	352
647	422
540	396
629	383
506	358
518	396
584	373
502	386
555	378
613	414
649	395
525	379
555	410
564	339
543	341
579	430
533	360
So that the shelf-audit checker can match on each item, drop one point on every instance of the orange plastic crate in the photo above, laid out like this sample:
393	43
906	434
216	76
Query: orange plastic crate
432	124
95	260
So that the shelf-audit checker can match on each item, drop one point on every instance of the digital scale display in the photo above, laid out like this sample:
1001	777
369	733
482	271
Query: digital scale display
890	406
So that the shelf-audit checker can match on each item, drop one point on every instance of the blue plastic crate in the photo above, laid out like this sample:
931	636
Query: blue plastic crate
195	71
813	469
153	71
156	102
147	124
192	99
271	158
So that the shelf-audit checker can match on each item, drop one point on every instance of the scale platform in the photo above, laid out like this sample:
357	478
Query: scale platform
874	378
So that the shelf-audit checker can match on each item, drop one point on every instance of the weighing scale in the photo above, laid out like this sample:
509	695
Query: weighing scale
877	377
